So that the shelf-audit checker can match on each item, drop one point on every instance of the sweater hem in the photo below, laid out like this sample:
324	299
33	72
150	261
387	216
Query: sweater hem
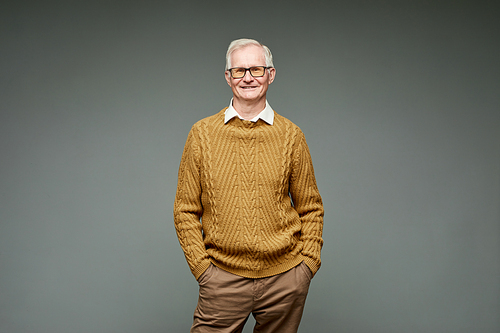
257	274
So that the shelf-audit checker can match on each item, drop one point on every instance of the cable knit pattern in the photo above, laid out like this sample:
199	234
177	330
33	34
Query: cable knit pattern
247	199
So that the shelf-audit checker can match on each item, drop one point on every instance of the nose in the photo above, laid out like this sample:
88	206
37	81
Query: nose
248	77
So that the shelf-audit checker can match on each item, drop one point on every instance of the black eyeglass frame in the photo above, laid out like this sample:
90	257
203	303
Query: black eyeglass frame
249	70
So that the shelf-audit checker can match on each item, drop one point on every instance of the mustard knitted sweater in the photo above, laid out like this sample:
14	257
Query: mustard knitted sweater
252	185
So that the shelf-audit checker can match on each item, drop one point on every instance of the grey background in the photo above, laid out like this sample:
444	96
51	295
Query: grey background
399	102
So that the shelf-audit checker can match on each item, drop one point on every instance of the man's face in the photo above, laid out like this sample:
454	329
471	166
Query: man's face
249	88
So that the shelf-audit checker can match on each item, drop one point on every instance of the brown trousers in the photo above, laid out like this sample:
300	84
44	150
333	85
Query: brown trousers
226	301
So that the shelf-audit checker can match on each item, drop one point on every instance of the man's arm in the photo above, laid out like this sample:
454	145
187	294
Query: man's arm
307	202
188	208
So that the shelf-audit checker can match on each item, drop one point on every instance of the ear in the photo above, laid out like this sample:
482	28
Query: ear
228	78
272	74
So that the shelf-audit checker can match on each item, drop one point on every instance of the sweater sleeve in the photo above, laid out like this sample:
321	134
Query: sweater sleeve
308	204
188	208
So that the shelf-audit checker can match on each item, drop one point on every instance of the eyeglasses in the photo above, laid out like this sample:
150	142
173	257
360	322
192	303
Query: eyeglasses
239	72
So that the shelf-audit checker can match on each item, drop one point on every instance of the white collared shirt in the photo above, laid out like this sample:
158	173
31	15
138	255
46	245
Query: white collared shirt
267	114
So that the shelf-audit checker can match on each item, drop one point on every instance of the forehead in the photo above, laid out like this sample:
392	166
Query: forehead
251	55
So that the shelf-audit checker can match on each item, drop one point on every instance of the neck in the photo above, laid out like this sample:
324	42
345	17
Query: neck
248	110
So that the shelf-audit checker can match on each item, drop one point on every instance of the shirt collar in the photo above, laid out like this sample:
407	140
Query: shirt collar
267	114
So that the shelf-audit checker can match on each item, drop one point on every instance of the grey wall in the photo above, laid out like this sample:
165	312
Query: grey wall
399	101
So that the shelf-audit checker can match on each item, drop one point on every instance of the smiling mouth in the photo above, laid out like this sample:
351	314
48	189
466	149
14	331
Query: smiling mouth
248	87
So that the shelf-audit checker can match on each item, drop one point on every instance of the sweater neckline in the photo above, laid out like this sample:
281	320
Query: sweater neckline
246	123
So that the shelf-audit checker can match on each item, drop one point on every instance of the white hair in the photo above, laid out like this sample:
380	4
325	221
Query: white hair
243	42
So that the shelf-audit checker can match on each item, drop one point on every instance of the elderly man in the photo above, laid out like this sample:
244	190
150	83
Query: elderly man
247	174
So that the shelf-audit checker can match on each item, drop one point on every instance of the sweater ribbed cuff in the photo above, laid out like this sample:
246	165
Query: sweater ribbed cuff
202	267
312	264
